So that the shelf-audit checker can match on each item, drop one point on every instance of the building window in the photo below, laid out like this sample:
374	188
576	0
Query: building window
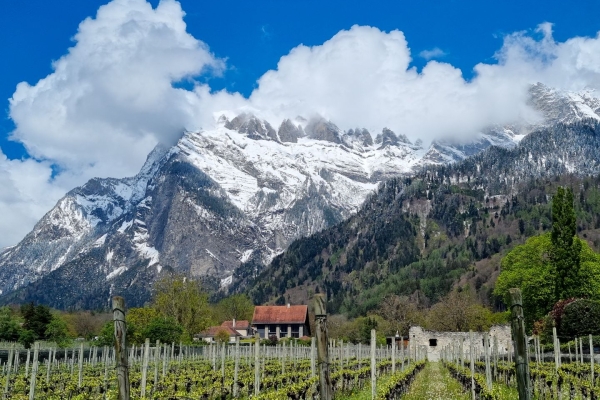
272	330
432	342
295	331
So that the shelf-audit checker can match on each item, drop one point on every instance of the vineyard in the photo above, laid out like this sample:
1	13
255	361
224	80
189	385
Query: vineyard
208	372
573	376
291	371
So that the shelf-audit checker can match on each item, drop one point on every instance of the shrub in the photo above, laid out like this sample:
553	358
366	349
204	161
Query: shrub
580	318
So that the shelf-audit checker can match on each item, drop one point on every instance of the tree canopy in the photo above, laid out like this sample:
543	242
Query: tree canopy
530	267
566	249
183	299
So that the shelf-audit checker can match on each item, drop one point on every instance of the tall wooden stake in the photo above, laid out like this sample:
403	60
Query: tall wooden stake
373	364
472	361
80	367
519	338
145	366
257	364
34	370
592	358
325	388
118	306
236	367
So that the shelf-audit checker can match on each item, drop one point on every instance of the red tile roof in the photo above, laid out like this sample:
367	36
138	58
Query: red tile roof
279	314
243	324
213	330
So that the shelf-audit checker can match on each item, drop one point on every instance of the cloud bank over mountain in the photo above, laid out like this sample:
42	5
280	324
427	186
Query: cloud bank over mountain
112	97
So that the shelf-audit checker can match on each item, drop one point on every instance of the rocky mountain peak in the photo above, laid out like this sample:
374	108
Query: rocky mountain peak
388	138
253	127
361	136
288	132
319	128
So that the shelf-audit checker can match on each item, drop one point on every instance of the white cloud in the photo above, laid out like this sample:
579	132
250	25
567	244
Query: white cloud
436	52
110	99
26	195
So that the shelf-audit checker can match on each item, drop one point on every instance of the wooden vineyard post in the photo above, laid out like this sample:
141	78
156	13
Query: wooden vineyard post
156	360
472	362
312	357
80	366
257	364
118	306
325	388
236	367
373	364
8	368
592	358
519	338
393	354
34	370
488	368
556	350
145	366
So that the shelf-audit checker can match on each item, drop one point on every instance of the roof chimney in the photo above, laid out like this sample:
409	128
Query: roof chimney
233	323
288	305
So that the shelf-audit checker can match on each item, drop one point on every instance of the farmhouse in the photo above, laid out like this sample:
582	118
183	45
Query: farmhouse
281	321
434	341
233	328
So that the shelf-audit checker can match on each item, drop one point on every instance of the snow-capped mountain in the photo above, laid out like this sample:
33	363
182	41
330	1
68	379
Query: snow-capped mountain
240	192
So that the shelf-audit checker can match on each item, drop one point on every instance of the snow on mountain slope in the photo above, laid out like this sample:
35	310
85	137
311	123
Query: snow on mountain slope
238	193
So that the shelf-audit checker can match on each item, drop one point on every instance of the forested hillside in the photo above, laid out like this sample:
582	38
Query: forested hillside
444	227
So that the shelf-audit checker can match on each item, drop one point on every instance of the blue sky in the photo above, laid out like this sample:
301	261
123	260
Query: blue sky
91	99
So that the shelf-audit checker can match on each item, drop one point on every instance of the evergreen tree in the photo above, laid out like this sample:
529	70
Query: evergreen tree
565	252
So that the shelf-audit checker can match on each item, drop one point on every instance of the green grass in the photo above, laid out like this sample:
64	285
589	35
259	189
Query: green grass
435	383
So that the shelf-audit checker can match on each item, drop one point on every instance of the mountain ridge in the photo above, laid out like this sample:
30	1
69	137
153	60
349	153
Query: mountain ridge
239	193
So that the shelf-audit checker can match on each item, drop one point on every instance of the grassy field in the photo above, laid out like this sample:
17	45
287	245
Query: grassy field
435	383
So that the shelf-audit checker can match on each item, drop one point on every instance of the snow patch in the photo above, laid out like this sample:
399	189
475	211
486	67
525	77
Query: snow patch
100	241
116	273
226	281
246	255
124	226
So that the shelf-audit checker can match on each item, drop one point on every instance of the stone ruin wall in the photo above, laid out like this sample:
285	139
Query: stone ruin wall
424	338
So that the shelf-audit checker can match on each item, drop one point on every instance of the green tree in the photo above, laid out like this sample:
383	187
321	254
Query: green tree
529	267
167	330
106	337
183	300
9	326
565	253
27	338
238	306
36	319
138	320
57	331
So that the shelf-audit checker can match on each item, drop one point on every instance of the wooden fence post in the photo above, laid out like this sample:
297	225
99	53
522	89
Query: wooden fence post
236	367
257	364
488	368
312	357
80	366
145	366
118	306
34	370
373	364
472	362
592	358
519	338
322	348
